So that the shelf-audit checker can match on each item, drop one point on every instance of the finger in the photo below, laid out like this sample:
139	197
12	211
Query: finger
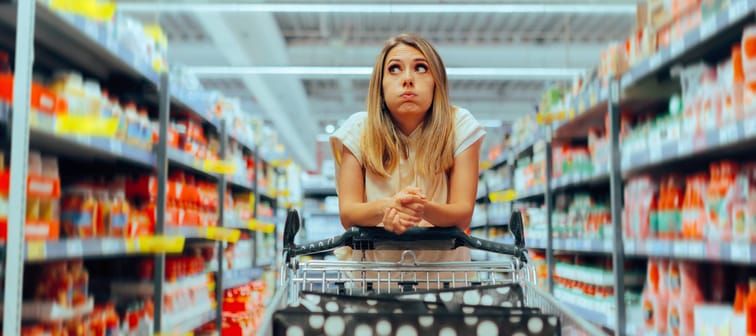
388	218
409	198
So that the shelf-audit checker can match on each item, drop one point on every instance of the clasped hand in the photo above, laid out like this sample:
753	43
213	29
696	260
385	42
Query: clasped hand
404	210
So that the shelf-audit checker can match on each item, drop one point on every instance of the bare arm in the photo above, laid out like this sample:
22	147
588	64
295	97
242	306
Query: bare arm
463	186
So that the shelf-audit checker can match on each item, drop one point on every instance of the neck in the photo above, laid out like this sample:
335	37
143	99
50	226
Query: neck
408	126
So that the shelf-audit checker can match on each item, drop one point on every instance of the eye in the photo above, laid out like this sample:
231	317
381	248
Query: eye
421	68
394	68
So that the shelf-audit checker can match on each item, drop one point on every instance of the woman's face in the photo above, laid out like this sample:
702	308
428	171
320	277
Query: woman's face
408	86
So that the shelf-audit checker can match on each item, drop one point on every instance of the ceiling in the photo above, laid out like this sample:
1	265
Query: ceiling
300	106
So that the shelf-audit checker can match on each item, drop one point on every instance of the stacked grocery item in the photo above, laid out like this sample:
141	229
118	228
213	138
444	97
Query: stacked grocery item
718	205
714	98
243	310
589	285
239	255
534	220
675	301
530	172
581	216
61	304
189	200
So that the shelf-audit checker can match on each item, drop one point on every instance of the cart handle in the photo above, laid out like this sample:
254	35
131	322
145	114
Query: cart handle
418	238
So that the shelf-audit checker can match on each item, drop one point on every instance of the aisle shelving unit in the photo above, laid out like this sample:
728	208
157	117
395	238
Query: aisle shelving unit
646	87
57	39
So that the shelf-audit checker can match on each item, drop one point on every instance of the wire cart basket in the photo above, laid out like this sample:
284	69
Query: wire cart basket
409	297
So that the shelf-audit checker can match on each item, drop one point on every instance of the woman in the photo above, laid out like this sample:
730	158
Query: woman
412	158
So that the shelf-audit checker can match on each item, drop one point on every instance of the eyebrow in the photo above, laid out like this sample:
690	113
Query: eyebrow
419	59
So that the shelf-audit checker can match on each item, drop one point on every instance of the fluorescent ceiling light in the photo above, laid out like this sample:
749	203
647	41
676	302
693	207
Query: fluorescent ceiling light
379	8
324	71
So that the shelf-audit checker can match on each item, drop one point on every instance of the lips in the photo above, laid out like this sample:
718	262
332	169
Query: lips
408	95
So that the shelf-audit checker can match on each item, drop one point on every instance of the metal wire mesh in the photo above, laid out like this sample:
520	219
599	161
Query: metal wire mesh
350	277
571	323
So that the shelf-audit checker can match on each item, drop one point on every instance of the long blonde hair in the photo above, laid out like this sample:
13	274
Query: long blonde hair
383	142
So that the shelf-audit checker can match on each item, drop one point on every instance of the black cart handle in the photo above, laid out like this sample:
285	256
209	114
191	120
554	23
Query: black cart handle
369	238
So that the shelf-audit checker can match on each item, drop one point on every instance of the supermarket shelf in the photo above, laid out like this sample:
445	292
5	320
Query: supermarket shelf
737	253
694	45
209	233
186	161
322	214
319	191
478	226
265	262
534	192
498	222
596	317
267	194
88	147
246	143
192	101
589	112
480	196
36	251
498	161
236	278
188	320
83	44
738	137
573	245
518	150
239	182
577	180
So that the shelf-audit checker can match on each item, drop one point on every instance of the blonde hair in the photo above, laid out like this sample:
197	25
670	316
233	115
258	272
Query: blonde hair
383	142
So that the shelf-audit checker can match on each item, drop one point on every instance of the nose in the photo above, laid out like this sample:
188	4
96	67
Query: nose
408	80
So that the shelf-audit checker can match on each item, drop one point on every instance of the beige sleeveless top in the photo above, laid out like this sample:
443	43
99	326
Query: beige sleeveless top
467	130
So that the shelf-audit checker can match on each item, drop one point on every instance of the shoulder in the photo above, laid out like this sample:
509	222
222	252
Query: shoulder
357	118
348	134
467	130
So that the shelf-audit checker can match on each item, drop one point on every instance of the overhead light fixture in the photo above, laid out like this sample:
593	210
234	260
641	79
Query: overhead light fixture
379	8
351	71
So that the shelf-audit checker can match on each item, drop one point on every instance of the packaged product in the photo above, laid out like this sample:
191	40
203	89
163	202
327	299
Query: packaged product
79	212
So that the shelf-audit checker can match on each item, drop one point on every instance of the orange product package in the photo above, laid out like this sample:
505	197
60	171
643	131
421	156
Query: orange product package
79	213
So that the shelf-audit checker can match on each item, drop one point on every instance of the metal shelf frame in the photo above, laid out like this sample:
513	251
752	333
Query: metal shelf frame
25	16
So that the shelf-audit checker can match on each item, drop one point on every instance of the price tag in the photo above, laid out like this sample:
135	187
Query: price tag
699	142
585	245
737	9
74	248
676	48
728	134
740	252
627	78
607	245
750	127
83	139
570	244
116	147
110	246
696	249
36	250
630	247
684	147
86	125
655	153
680	249
90	28
655	61
708	27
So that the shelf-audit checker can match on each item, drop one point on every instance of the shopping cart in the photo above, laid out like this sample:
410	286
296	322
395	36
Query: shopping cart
321	297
